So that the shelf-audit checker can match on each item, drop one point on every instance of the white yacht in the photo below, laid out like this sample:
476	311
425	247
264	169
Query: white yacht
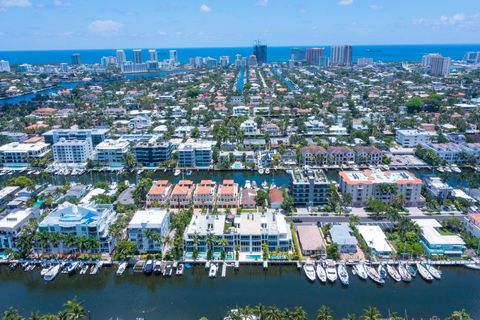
121	268
343	274
393	273
360	270
321	274
212	272
52	273
309	270
424	272
331	270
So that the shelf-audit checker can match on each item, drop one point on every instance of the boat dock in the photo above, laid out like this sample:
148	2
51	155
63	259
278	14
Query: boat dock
224	270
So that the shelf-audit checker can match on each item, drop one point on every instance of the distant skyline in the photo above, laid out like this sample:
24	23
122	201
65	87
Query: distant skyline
74	24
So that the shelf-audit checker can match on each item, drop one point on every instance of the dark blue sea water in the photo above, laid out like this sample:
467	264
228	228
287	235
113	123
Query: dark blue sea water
275	54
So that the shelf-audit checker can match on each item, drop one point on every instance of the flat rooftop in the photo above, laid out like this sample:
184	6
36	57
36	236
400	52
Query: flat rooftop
378	176
430	230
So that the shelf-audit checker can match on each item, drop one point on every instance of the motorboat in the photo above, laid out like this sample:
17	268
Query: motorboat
157	267
84	269
309	271
52	273
180	269
475	266
436	273
168	270
406	276
188	172
148	268
424	272
212	272
247	184
331	270
411	270
207	264
373	274
455	168
44	271
343	274
360	270
121	268
267	171
382	271
321	274
440	169
261	170
447	169
177	172
393	273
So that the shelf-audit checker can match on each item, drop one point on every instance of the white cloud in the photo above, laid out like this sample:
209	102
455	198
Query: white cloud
455	19
205	8
375	6
105	26
345	2
15	3
162	33
262	3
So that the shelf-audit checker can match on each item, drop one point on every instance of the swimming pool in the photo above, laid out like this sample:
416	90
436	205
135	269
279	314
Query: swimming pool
254	256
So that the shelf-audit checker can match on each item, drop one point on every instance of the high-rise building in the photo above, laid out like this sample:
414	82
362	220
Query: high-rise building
121	58
252	60
363	62
152	55
107	61
439	66
341	55
472	57
224	61
173	55
315	56
260	51
76	59
427	59
297	54
4	66
137	56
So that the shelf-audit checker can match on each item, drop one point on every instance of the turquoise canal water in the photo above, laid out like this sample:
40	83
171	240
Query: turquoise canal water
194	295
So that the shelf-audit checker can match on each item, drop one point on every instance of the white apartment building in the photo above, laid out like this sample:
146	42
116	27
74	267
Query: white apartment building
11	225
248	231
111	152
72	151
4	66
382	185
140	122
18	154
314	127
249	127
412	137
153	219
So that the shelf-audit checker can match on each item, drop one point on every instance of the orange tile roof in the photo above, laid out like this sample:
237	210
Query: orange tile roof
228	182
202	190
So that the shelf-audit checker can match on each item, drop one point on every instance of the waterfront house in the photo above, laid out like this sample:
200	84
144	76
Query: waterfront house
376	240
182	194
91	221
367	155
227	196
159	193
342	235
148	228
204	195
309	188
438	189
275	196
314	155
472	224
247	200
436	241
340	155
11	226
310	240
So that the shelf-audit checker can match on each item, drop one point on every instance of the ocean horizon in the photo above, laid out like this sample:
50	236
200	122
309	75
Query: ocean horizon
385	53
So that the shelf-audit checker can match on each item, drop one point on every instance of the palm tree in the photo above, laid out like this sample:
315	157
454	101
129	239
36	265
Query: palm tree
299	314
222	243
371	313
350	316
211	238
273	313
395	316
260	311
324	313
12	314
82	243
459	315
74	310
70	241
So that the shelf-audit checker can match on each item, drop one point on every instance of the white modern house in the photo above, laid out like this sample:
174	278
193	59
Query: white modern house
147	229
376	240
410	138
11	225
249	127
17	154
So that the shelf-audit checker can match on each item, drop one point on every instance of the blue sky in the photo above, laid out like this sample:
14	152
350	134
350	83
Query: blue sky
96	24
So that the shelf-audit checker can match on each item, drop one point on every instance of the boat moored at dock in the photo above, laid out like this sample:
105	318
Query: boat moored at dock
212	272
393	273
321	274
52	273
309	270
424	272
343	274
331	270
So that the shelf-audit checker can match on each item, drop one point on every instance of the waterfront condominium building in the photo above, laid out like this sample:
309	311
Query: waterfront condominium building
182	194
152	152
470	57
72	151
137	56
382	185
19	154
316	56
260	51
437	64
159	193
173	55
152	55
195	154
410	138
11	226
248	231
309	188
228	196
121	57
148	228
204	195
436	243
76	59
91	221
111	152
94	135
297	54
341	55
456	152
4	66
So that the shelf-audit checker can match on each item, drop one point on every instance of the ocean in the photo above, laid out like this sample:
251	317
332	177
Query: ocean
386	53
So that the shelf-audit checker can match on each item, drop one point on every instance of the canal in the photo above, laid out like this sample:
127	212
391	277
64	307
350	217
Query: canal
194	295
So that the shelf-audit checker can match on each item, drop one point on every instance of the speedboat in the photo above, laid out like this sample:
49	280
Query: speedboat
188	172
52	273
360	270
84	269
247	184
177	172
180	269
44	271
321	274
168	270
267	171
475	266
121	268
373	274
148	269
261	171
309	271
393	273
343	274
441	169
455	168
212	272
448	169
331	270
382	271
411	270
424	272
157	267
96	268
436	273
406	276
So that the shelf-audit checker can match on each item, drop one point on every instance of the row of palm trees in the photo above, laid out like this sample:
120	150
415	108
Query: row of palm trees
73	310
262	312
49	240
